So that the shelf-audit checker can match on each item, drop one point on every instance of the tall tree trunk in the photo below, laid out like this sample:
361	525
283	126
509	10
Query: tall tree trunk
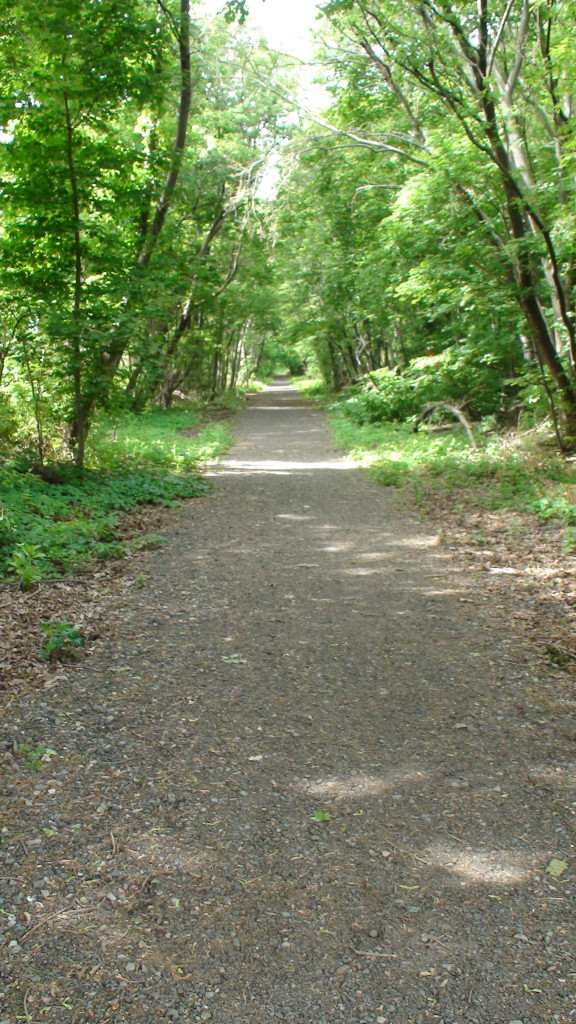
79	434
185	319
539	327
112	356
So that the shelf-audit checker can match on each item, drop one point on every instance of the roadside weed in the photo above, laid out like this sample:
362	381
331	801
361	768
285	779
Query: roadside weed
62	641
54	527
520	472
25	564
36	757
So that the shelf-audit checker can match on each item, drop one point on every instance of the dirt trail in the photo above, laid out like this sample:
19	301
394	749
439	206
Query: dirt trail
311	778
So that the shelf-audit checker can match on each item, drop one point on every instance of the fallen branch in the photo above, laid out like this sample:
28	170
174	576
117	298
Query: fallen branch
433	406
370	953
60	914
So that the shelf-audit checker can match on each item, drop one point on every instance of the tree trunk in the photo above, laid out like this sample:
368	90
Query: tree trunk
79	434
112	356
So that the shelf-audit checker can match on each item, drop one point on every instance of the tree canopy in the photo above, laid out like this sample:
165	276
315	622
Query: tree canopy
420	236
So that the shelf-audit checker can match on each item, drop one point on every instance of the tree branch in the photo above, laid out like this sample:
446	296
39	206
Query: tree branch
165	199
498	37
519	53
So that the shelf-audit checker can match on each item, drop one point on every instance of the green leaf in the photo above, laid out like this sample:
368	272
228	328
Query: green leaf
556	868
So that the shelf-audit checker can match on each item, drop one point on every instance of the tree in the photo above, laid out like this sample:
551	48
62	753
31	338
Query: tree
113	202
488	68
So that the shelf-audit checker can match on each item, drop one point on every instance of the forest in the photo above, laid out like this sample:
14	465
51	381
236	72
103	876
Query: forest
177	224
288	513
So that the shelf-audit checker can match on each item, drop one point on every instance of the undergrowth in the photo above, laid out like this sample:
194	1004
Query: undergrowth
514	469
172	439
54	528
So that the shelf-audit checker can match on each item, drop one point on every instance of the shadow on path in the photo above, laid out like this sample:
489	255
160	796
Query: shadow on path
330	793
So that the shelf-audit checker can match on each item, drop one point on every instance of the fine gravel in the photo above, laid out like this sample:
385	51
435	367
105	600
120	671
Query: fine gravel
311	776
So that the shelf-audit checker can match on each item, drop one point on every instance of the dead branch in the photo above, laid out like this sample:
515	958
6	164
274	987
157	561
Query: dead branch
432	406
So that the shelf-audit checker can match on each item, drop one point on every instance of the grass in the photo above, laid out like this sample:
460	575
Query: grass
514	470
51	529
172	439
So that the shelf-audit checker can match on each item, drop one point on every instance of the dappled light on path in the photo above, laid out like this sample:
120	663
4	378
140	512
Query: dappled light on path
316	777
249	466
469	865
505	867
357	785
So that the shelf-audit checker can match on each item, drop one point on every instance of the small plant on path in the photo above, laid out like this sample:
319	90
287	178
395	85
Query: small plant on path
320	816
62	641
36	757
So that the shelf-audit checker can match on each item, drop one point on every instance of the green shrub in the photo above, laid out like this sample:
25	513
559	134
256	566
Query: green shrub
511	471
62	641
455	376
556	507
25	563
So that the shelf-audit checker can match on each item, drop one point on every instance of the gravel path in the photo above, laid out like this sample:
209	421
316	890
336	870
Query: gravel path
310	778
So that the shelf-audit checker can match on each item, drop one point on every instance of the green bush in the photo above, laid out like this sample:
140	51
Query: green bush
555	507
456	376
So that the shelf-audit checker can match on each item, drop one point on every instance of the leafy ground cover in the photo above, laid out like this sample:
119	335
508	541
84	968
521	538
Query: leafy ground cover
51	527
518	470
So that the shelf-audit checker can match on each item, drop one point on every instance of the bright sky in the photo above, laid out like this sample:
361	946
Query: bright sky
288	25
285	23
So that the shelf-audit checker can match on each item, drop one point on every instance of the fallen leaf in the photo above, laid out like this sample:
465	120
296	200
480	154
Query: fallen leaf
556	868
320	816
